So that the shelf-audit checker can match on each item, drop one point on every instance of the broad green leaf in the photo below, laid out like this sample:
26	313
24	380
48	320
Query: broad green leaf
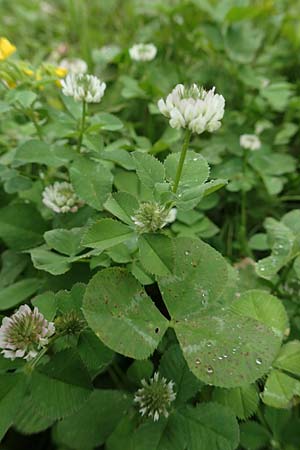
280	389
122	205
67	301
278	94
95	421
46	303
156	253
121	314
95	355
12	390
282	241
140	273
226	349
195	170
44	259
106	233
242	41
267	163
126	181
29	420
17	183
131	88
211	426
292	221
18	292
242	400
265	308
36	151
149	169
64	241
139	370
60	387
23	97
289	358
198	279
166	434
21	226
120	253
173	367
91	180
12	266
253	436
106	121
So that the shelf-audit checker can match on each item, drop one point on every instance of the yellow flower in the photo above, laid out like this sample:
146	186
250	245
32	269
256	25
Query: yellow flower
28	72
6	48
61	72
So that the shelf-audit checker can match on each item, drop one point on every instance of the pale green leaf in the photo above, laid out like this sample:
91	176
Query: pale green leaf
106	233
95	421
156	253
149	169
114	300
242	400
264	308
122	205
198	280
91	180
18	292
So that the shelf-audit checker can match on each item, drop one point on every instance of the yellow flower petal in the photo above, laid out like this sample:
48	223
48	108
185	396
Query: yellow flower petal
61	72
6	48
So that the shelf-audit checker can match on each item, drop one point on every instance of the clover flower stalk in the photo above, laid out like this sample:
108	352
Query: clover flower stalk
25	334
249	142
155	397
195	110
85	88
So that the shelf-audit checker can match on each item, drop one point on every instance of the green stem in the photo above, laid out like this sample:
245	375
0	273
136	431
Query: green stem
82	126
184	150
36	125
244	243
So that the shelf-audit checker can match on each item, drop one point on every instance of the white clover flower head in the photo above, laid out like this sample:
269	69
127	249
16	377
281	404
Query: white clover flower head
143	52
155	397
61	198
83	87
250	141
151	216
193	108
25	333
74	65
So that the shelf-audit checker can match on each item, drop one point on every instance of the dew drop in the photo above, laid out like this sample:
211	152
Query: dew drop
209	344
225	356
210	370
258	361
220	358
186	253
197	362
